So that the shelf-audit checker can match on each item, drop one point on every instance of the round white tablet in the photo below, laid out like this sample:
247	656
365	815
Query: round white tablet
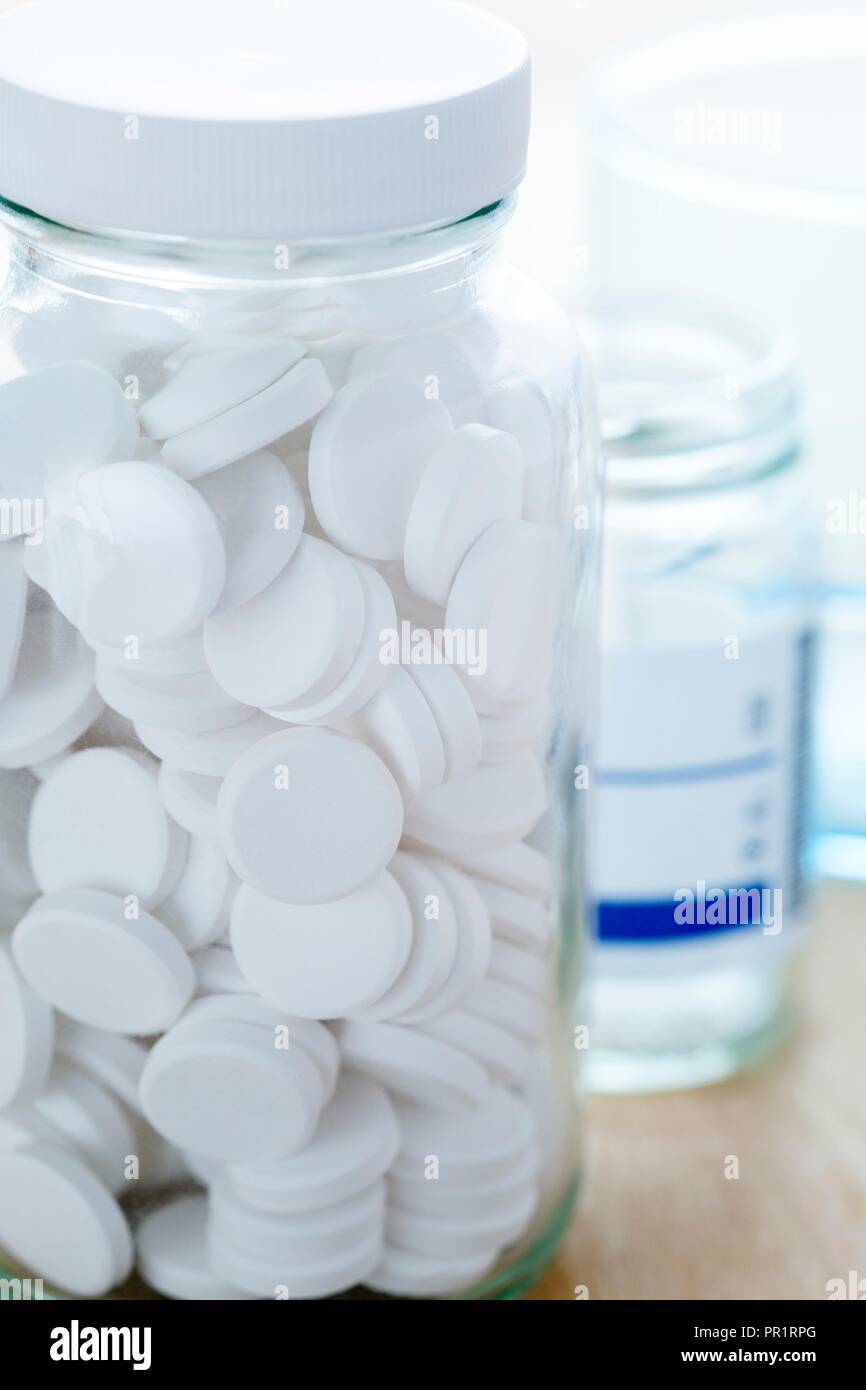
473	940
327	960
427	358
205	386
474	1147
412	1065
59	1220
406	1273
522	969
368	452
438	1196
116	1062
505	1056
261	511
455	715
308	816
13	603
104	961
190	800
193	704
296	639
194	907
17	884
513	1009
307	1279
506	587
91	1120
399	725
520	406
519	867
297	396
463	1237
493	805
504	737
52	699
434	944
157	558
474	478
296	1237
58	423
210	754
367	672
172	1253
217	972
225	1090
98	822
312	1038
26	1035
355	1143
516	918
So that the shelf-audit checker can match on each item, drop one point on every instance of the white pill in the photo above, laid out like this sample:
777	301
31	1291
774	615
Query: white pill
463	1237
513	1009
458	1201
20	1126
98	822
226	1091
308	816
185	657
368	452
193	704
520	407
312	1038
58	423
59	1220
434	944
100	963
206	386
505	1056
53	699
400	726
261	511
210	754
13	604
503	736
355	1143
519	867
507	588
515	917
477	1146
423	357
367	672
522	969
474	479
406	1273
296	1237
114	1061
455	715
474	941
91	1120
157	561
190	800
307	1279
327	960
296	639
292	399
412	1065
217	972
26	1035
495	804
173	1256
17	884
194	907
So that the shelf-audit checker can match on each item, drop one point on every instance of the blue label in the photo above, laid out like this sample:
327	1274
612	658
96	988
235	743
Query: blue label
709	911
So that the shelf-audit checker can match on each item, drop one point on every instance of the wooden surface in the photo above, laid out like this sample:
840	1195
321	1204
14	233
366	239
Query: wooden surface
659	1219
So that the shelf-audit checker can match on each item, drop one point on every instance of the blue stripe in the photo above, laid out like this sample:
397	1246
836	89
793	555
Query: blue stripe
655	921
700	772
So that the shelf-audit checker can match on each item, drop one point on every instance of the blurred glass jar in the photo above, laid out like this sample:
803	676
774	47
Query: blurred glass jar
707	635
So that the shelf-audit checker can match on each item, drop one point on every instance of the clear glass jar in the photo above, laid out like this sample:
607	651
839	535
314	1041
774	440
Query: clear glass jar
703	739
462	999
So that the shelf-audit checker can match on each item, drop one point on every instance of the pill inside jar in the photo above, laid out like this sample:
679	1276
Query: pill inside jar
300	515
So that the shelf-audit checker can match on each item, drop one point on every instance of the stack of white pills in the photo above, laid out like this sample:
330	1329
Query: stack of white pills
275	685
